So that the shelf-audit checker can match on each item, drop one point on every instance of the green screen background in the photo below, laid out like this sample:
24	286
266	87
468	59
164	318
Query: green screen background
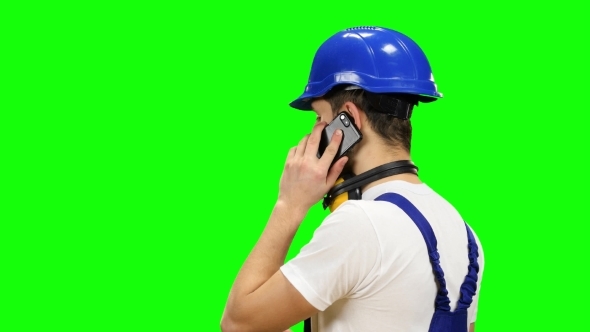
143	144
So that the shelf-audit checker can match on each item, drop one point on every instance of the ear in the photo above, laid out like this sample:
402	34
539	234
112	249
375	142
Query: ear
354	112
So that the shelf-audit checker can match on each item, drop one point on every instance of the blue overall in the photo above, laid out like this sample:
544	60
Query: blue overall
443	320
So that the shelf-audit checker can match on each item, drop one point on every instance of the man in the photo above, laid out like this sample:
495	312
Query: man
373	264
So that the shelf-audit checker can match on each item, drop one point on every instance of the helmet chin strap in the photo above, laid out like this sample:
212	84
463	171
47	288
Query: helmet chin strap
349	185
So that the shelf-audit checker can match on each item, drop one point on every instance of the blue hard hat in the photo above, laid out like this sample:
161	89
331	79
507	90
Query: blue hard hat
375	59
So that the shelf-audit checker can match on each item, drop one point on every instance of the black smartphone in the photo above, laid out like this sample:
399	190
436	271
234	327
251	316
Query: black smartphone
351	135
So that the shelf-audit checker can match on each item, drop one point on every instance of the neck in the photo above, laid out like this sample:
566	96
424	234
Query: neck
368	159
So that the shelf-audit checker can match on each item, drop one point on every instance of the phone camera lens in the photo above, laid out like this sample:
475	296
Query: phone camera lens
344	120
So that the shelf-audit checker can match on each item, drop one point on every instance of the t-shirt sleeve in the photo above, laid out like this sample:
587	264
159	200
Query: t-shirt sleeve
342	257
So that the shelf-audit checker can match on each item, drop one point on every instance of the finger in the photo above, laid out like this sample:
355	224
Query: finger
291	153
336	170
301	147
332	149
314	139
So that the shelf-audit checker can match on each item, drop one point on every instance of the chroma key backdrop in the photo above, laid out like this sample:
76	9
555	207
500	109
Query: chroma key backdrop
143	145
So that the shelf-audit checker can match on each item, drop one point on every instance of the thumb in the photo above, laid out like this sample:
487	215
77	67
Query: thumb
336	170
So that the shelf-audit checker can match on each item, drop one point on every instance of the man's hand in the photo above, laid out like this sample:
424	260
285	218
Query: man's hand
306	179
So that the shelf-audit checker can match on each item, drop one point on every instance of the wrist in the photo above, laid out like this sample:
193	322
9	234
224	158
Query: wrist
290	210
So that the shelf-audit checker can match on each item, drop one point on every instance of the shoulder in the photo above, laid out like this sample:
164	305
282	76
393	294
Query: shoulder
363	208
359	215
361	221
366	211
350	220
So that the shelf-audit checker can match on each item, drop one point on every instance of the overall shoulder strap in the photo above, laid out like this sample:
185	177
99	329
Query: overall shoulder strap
442	300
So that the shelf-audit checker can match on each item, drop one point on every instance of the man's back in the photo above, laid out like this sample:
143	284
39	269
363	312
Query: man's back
367	266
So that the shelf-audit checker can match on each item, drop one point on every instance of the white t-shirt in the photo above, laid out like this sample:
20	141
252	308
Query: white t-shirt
367	267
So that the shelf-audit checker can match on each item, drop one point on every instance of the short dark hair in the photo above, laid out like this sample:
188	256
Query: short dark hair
395	132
